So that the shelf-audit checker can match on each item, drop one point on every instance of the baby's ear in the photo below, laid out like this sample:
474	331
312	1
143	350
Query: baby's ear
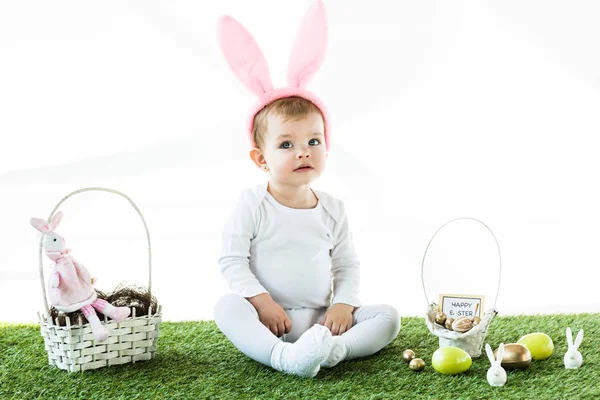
257	157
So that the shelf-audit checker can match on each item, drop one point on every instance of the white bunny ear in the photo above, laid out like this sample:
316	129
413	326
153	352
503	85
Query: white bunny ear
308	51
243	55
489	353
569	337
500	353
56	220
40	224
579	339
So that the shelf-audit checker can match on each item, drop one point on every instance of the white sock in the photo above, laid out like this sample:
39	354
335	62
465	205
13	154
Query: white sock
338	352
304	357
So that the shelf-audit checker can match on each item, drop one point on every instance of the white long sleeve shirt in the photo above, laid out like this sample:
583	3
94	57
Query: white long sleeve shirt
301	257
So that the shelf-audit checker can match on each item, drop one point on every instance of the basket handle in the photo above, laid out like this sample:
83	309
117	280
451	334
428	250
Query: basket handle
102	190
497	245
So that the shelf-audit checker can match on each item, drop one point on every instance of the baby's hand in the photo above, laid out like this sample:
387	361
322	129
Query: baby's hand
338	319
271	314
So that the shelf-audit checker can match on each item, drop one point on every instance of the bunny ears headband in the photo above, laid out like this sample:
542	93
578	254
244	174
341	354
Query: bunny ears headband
250	66
44	226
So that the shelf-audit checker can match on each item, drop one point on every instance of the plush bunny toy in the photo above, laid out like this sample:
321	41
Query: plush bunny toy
70	284
496	375
573	358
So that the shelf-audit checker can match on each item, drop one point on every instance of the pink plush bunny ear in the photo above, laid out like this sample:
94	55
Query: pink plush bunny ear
40	224
243	55
56	220
310	46
249	64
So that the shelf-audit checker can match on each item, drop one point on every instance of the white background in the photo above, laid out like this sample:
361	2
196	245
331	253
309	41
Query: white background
439	110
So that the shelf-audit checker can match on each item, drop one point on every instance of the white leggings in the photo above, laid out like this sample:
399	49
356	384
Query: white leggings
373	328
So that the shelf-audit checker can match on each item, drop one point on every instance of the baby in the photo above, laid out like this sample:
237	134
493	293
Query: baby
287	251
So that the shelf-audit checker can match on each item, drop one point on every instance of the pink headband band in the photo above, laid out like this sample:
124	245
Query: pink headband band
248	63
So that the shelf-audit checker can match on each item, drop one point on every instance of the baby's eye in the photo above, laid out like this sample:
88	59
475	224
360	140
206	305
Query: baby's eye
55	239
286	145
311	142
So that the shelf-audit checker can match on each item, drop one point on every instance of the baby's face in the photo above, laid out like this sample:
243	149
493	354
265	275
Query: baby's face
288	145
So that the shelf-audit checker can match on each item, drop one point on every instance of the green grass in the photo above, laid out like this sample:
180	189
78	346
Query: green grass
195	361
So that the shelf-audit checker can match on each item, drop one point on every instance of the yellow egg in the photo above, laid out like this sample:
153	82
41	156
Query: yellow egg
451	360
539	344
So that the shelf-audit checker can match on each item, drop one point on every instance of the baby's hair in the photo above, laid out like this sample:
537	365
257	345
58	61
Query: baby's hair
288	108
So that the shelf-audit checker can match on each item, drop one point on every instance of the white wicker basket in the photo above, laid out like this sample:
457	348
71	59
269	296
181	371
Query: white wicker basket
73	347
472	340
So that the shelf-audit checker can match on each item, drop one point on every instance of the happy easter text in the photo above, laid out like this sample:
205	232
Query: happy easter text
461	313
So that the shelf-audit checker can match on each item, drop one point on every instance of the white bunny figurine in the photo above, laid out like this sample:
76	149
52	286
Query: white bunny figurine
496	375
573	358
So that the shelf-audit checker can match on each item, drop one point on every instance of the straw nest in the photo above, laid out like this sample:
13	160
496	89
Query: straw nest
137	297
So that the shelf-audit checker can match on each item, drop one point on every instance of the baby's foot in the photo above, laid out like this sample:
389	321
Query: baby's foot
338	352
304	357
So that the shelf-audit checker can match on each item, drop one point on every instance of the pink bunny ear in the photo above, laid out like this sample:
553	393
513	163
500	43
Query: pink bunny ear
56	220
40	224
309	48
243	55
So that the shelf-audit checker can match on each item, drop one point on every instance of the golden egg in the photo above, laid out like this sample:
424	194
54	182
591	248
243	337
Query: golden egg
440	318
462	324
416	364
516	356
448	323
476	321
408	355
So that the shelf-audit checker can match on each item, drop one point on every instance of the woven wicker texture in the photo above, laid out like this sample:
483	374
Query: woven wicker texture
73	347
